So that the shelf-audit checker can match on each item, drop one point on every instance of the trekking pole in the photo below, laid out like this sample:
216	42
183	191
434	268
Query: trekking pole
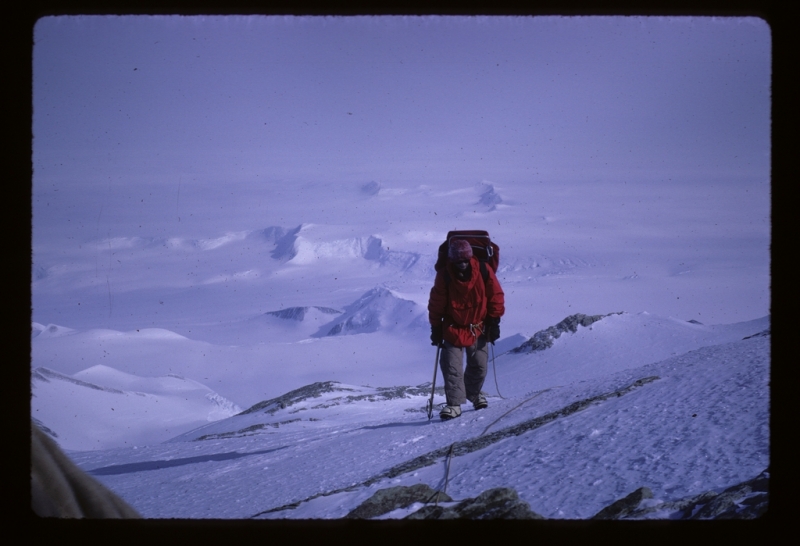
433	385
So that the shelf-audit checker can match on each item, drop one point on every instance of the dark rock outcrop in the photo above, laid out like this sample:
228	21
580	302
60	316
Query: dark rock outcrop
371	188
624	506
349	395
764	333
244	431
497	503
284	243
393	498
746	500
299	313
490	197
314	390
543	339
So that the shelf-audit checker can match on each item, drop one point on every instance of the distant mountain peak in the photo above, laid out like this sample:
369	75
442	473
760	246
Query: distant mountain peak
489	196
376	309
51	330
285	243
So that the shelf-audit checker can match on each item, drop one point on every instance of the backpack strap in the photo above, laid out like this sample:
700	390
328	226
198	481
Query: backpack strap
484	272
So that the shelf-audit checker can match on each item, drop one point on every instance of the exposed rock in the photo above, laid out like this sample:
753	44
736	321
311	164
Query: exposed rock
679	509
371	188
543	339
272	233
299	313
392	498
747	500
284	245
432	511
489	197
243	432
315	390
763	333
497	503
623	507
380	394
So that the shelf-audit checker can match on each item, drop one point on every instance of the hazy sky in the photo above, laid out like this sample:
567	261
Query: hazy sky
399	98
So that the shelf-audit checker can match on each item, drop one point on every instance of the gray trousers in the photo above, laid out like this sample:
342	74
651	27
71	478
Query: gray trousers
460	385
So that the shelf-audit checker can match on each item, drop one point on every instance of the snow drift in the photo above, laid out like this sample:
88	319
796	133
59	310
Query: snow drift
103	408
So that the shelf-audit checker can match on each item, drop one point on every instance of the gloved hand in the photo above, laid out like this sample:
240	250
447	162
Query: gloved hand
492	329
436	335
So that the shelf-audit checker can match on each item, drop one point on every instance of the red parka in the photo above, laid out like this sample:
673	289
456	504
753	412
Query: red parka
461	306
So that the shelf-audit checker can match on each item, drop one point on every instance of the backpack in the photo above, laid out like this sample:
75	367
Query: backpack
487	252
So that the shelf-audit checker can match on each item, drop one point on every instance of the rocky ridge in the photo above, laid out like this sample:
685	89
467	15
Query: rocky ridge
350	394
543	339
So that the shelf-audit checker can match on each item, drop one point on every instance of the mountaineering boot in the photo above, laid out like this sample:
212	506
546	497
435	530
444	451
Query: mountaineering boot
450	412
479	402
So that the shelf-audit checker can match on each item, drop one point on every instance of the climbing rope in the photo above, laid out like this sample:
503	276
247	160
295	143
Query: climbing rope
453	445
512	409
494	368
446	473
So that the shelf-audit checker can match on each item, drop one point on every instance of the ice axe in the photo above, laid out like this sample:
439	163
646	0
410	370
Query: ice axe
429	405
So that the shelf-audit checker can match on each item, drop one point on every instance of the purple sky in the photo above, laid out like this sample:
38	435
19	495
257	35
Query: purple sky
429	98
647	140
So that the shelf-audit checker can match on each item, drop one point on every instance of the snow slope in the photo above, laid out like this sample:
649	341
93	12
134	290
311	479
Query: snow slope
102	408
615	343
683	425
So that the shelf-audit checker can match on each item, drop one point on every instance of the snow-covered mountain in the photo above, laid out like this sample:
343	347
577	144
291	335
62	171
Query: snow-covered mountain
379	308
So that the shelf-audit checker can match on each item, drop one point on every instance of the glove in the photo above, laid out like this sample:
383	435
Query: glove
436	335
492	329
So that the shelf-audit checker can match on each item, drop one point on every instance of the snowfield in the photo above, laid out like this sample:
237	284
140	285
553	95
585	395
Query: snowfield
694	422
